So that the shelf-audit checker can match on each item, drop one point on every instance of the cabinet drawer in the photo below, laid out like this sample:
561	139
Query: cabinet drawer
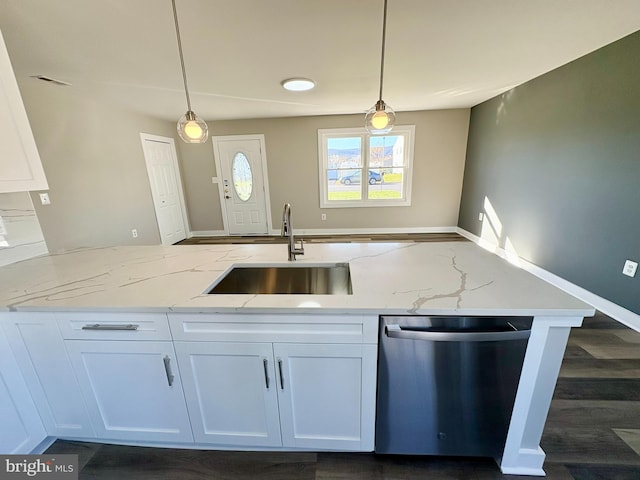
113	326
221	327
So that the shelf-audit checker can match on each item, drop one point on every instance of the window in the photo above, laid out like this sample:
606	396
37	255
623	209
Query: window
242	176
362	170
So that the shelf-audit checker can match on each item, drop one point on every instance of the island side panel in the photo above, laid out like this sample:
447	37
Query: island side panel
543	359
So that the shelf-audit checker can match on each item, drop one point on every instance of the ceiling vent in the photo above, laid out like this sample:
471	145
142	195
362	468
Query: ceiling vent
55	81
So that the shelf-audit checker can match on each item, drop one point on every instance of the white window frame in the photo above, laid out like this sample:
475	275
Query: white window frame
323	134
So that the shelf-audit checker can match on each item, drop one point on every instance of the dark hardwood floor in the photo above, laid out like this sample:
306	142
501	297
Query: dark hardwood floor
360	238
592	433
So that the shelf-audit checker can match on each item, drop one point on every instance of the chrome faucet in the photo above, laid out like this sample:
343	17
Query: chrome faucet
287	231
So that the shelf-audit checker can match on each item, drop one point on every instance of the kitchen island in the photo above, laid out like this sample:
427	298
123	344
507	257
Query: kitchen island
69	292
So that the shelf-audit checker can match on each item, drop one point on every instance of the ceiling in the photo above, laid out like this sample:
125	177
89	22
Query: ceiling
440	53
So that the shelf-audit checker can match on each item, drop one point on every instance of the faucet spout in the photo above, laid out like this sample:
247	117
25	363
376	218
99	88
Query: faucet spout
287	231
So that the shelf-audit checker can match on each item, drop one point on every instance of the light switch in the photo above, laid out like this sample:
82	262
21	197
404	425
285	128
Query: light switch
44	199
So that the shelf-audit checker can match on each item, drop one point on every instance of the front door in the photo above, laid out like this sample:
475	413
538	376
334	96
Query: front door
241	166
164	178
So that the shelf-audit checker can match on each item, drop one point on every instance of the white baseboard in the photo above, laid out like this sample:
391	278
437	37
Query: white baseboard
624	316
207	233
369	231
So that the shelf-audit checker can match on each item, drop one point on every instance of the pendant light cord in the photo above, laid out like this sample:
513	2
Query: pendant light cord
184	73
384	34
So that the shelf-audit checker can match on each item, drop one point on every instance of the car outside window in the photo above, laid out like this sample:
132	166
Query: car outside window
348	155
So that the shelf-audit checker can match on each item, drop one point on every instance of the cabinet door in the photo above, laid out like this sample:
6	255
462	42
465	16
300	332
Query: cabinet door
132	389
231	392
41	354
21	430
20	166
326	395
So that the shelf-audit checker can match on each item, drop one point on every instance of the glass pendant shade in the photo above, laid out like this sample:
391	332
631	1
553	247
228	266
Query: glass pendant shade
380	119
192	129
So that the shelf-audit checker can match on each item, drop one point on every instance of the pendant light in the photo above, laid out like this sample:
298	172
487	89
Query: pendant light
190	128
380	118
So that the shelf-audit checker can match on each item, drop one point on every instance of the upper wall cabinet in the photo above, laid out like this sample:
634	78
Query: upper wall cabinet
20	166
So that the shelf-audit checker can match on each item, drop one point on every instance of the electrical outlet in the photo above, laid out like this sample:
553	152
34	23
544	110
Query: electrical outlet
134	233
323	216
44	199
630	268
480	216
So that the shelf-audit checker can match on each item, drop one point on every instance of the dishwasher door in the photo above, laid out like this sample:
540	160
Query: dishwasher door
446	385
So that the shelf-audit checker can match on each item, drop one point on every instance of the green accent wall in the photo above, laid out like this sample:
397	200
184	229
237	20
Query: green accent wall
554	164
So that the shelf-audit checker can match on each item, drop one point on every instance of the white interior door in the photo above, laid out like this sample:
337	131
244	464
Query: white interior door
166	190
241	163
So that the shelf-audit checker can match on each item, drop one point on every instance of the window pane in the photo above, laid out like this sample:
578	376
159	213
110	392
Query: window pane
344	168
386	151
242	176
386	161
391	186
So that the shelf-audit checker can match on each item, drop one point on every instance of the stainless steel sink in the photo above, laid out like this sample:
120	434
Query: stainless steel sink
333	279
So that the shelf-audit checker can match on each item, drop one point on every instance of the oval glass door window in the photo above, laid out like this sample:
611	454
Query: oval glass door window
242	176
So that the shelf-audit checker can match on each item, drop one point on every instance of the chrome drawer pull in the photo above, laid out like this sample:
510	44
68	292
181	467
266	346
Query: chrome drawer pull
101	326
281	374
265	363
167	369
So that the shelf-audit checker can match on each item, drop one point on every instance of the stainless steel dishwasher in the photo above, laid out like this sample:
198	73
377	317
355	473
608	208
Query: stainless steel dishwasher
446	385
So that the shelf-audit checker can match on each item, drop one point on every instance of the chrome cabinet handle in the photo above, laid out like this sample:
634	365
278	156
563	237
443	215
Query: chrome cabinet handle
281	374
167	369
395	331
265	363
105	326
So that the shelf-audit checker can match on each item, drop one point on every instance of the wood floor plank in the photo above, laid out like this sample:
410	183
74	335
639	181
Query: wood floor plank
586	445
142	463
631	437
84	450
594	413
604	472
598	368
576	351
598	389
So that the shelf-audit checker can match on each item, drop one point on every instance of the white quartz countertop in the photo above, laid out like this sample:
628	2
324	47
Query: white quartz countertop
447	278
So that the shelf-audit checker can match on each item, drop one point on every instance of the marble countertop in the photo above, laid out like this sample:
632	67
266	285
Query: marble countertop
446	278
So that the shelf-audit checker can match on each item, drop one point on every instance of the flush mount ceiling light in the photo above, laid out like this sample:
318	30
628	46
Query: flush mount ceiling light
380	118
190	128
298	84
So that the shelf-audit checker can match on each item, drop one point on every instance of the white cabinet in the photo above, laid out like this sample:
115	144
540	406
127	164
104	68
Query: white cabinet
21	429
39	349
324	394
132	389
126	368
231	392
320	396
289	380
20	165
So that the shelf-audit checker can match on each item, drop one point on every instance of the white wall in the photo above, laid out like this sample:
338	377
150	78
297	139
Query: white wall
292	157
20	234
